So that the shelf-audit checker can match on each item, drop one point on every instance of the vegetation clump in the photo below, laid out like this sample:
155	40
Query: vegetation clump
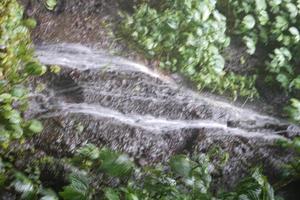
188	37
104	174
17	63
96	173
273	24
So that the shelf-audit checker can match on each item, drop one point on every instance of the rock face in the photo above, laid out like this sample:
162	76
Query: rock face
107	100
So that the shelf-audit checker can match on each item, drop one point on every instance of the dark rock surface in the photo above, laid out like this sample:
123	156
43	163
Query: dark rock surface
107	100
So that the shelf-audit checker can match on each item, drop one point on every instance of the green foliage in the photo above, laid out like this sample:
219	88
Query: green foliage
188	37
197	54
273	24
292	170
78	189
115	164
112	163
184	179
294	109
51	4
16	64
254	187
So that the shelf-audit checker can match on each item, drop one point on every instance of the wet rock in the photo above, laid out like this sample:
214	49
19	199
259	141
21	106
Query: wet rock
110	101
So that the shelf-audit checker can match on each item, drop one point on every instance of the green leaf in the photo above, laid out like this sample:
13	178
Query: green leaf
34	68
5	97
296	83
17	131
251	45
89	151
111	194
18	91
249	22
181	165
51	4
48	195
23	185
13	116
294	31
283	80
35	126
281	23
78	189
263	17
260	4
30	23
293	10
55	69
115	164
294	109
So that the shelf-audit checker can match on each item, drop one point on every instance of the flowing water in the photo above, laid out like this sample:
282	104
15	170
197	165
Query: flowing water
109	100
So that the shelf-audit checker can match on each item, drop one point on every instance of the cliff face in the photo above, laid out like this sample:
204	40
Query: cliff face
108	100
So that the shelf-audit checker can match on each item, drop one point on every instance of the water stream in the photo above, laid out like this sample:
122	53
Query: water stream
127	106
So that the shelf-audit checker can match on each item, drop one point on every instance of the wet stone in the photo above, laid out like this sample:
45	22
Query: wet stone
130	108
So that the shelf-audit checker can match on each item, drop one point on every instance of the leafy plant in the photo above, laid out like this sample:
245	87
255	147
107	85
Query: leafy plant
292	169
254	187
183	179
188	37
17	63
294	109
280	36
78	189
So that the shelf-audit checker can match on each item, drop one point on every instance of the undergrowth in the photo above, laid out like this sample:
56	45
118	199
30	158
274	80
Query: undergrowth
100	173
189	37
95	173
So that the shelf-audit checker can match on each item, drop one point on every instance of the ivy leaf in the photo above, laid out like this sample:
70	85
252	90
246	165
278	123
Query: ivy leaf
249	22
293	10
263	17
35	126
251	45
294	31
296	83
281	23
260	4
205	11
283	79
